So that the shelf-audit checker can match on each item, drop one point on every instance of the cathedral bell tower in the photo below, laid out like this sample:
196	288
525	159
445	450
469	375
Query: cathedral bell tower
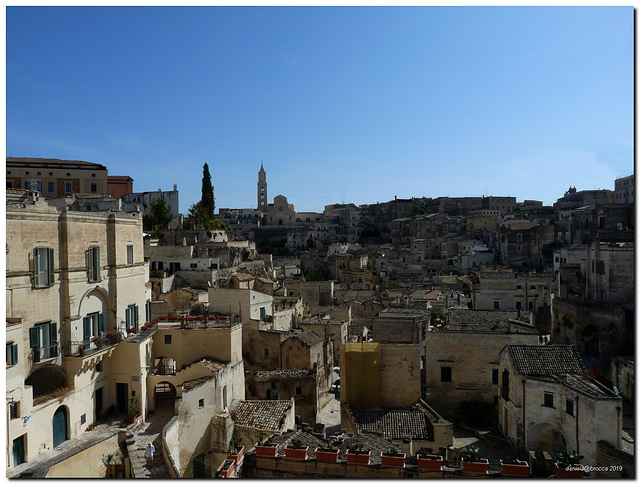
262	189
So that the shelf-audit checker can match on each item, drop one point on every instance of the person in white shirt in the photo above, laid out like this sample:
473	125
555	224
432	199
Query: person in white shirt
148	452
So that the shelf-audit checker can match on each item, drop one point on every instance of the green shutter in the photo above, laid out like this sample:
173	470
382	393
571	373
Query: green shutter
34	337
53	332
149	304
96	262
127	315
100	323
135	312
14	353
86	328
36	279
50	267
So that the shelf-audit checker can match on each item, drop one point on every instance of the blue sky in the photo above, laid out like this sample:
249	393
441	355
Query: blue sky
342	104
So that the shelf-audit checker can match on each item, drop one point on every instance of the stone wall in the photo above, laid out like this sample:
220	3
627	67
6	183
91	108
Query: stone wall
609	457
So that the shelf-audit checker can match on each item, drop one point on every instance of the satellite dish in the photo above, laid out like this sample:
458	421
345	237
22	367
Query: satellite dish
616	391
620	227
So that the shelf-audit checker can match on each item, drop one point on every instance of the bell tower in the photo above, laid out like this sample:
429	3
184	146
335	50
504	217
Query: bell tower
262	189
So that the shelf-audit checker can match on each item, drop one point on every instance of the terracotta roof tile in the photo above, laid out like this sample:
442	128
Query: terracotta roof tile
262	414
546	360
394	423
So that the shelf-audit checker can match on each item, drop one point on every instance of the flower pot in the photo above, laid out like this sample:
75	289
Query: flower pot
237	455
327	455
515	470
226	468
430	462
360	457
575	471
392	460
476	468
297	454
269	450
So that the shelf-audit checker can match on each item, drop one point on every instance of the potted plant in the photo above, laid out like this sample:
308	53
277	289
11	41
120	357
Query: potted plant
568	464
226	468
355	455
236	450
392	458
428	461
329	454
512	467
472	463
266	449
295	450
131	330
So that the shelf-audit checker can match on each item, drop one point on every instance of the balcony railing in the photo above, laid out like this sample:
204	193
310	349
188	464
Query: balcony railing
92	345
45	352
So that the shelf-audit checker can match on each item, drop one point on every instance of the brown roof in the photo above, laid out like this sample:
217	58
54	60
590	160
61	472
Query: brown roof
119	178
395	423
537	360
54	163
262	414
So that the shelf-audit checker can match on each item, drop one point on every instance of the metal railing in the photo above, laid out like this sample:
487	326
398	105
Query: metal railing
45	352
93	344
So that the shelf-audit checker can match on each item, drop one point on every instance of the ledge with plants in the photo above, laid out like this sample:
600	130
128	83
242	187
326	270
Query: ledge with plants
295	450
236	450
392	458
358	455
472	463
266	449
512	467
328	454
427	461
568	464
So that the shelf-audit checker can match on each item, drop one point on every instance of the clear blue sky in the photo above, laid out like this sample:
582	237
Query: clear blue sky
342	104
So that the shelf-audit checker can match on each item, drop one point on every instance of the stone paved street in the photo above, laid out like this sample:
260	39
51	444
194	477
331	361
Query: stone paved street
150	431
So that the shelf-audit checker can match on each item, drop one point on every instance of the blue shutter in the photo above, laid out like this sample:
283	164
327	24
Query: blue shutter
100	323
14	353
34	337
36	279
53	332
127	315
135	312
86	328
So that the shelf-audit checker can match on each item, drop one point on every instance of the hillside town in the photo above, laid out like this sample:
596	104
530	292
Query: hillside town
419	337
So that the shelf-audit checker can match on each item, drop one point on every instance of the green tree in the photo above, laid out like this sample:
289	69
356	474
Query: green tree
208	201
198	218
159	217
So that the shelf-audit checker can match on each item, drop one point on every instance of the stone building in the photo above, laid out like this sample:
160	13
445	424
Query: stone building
144	200
511	291
624	189
119	186
461	358
56	178
546	403
77	293
519	244
262	190
280	212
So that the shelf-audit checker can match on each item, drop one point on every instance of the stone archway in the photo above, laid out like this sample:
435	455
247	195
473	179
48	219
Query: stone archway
164	394
545	437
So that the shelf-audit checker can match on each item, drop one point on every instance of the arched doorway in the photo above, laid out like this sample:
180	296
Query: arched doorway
164	395
60	433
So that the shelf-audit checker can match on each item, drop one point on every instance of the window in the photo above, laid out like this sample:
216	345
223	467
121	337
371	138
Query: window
496	304
68	186
446	374
548	400
51	187
94	188
298	390
266	352
129	255
83	418
14	410
201	403
533	287
43	341
147	311
93	264
167	339
43	275
519	237
9	183
12	353
569	407
92	325
518	304
494	376
131	316
505	385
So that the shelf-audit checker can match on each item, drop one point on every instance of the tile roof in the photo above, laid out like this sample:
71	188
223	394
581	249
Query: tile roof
191	384
282	375
262	414
304	437
308	338
536	360
373	442
50	162
394	423
481	321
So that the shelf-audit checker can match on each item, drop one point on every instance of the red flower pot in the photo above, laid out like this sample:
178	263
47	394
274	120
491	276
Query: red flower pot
515	470
226	468
392	460
360	457
297	454
239	452
327	455
430	462
269	450
573	471
477	468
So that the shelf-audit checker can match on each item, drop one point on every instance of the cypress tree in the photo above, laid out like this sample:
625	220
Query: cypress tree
208	202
